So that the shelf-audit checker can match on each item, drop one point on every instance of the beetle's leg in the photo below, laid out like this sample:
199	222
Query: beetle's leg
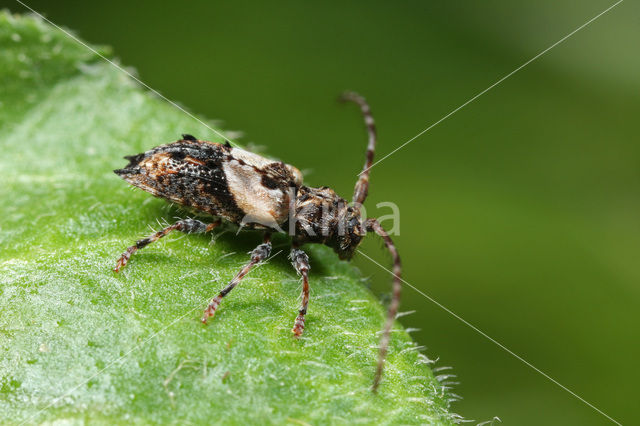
374	225
189	226
258	254
300	262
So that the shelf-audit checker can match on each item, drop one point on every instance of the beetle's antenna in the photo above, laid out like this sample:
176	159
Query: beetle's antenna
362	186
373	225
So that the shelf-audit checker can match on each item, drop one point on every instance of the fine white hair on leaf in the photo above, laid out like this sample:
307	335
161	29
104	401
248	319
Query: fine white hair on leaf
413	348
442	377
453	397
214	237
394	330
423	359
490	422
423	400
443	368
187	275
457	418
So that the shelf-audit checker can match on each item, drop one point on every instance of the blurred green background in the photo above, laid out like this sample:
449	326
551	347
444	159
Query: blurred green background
519	212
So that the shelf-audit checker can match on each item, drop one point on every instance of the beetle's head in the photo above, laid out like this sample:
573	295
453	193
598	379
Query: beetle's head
350	232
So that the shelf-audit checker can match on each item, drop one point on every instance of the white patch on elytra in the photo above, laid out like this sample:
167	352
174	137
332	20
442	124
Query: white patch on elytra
268	207
250	158
261	162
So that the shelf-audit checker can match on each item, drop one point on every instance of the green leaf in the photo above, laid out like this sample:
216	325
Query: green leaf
78	342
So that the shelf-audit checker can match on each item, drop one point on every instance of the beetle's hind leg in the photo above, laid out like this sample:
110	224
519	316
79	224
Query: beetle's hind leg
189	226
258	255
300	262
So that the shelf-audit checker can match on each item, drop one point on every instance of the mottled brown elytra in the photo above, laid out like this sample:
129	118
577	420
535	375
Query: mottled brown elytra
254	192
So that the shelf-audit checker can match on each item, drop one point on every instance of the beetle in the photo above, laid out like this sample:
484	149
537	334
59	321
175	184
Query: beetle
254	192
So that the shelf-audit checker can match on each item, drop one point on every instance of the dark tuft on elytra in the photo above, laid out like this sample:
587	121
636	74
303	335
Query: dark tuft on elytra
134	158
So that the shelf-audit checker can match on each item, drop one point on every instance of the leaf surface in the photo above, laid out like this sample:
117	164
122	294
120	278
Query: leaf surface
80	343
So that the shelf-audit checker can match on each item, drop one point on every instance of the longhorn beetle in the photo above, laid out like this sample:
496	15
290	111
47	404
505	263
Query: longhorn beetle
257	193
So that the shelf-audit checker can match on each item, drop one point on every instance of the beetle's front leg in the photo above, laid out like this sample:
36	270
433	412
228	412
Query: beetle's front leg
300	262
